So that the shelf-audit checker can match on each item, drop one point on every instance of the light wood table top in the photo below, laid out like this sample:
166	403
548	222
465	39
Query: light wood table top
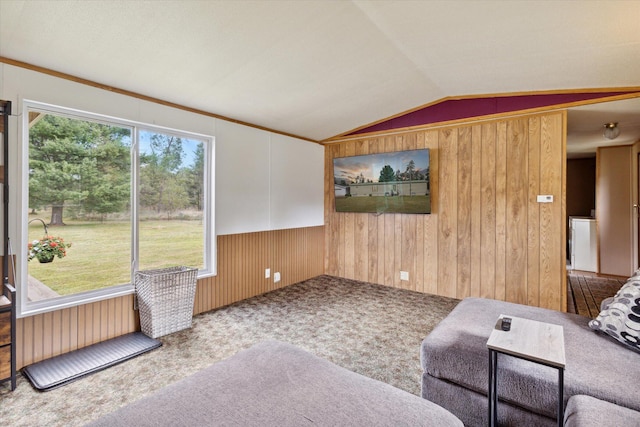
531	340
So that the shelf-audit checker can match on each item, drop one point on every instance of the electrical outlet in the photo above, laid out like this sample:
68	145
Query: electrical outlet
404	275
276	277
267	273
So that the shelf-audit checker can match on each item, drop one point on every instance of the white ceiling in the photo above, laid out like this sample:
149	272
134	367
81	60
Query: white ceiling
585	126
320	68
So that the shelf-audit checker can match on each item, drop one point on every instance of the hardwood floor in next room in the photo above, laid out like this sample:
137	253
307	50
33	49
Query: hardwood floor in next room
585	291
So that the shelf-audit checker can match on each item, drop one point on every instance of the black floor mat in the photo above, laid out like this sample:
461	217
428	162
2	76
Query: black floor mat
68	367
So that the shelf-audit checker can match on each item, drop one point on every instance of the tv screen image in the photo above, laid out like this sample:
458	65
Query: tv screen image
394	182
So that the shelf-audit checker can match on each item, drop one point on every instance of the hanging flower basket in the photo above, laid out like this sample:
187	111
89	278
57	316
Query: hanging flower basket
47	248
45	258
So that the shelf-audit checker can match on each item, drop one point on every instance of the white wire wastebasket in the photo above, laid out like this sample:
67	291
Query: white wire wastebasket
165	299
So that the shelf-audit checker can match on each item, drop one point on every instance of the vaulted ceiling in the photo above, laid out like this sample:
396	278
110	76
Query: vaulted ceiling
322	68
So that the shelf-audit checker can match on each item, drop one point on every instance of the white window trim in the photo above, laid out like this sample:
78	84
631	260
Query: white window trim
26	308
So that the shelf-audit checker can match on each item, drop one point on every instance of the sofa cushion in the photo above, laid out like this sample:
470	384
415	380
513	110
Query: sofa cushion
456	351
620	318
277	384
587	411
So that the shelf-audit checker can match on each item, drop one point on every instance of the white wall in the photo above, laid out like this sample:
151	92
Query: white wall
295	189
264	181
242	178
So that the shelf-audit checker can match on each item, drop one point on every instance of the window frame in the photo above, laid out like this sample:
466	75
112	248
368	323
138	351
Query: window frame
28	308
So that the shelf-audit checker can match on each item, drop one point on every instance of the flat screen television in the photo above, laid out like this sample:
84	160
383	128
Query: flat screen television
394	182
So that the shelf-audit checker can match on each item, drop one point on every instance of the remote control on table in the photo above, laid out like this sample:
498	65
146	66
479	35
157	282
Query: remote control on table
506	323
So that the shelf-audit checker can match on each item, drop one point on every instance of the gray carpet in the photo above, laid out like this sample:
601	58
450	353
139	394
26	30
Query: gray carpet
370	329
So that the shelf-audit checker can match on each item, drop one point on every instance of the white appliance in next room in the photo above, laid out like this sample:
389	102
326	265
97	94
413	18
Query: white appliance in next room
582	244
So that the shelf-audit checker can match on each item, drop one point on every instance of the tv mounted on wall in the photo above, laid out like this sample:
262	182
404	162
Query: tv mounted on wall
394	182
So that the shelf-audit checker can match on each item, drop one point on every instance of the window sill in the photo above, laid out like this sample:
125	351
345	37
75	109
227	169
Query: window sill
53	304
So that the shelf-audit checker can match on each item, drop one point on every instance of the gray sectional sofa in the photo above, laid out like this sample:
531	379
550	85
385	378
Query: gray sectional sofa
454	360
277	384
587	411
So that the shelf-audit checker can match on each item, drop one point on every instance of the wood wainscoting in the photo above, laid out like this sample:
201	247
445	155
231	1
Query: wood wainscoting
297	254
487	235
242	259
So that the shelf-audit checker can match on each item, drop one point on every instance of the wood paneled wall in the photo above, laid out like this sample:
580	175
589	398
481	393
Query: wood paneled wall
242	258
49	334
296	254
487	235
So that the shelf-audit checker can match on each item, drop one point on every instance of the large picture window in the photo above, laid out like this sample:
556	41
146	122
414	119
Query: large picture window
171	201
107	198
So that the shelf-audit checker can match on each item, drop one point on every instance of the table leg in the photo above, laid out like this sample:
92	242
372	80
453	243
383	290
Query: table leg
560	397
493	388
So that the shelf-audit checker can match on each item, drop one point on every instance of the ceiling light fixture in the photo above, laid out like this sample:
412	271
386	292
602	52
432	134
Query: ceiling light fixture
611	130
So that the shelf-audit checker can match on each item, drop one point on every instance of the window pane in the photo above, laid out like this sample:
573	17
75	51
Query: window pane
79	195
171	227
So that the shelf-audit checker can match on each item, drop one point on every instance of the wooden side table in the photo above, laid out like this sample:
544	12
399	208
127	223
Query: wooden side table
530	340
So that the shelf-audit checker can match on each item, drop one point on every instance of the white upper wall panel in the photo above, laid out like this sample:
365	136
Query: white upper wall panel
297	183
242	178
